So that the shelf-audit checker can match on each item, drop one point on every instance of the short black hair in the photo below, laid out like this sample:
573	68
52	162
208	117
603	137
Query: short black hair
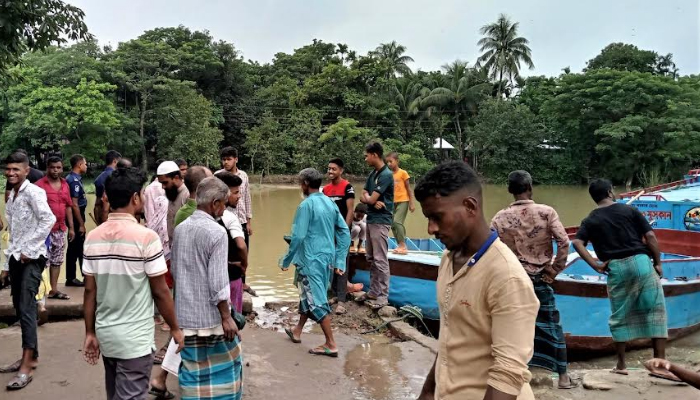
375	148
362	207
599	189
75	159
446	179
228	152
53	159
121	185
393	155
195	175
337	161
180	162
231	180
519	182
17	158
124	163
111	156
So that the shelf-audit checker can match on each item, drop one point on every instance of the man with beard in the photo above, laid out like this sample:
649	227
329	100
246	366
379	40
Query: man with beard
487	302
194	177
170	177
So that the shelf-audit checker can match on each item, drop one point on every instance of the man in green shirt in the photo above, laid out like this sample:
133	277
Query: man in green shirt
378	194
194	176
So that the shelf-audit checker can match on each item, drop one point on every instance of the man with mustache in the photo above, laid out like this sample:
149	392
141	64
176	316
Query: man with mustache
170	177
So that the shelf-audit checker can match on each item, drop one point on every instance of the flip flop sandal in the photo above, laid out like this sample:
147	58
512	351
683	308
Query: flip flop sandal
340	310
670	377
575	382
161	394
619	372
326	352
59	296
20	381
14	367
291	335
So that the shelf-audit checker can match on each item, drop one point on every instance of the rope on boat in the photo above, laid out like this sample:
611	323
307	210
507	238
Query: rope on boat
405	312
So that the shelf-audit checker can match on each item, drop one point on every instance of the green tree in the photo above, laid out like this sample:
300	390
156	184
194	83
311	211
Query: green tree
624	57
392	55
347	140
36	25
503	50
266	145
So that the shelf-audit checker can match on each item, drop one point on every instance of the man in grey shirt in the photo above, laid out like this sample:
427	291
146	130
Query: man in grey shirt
212	353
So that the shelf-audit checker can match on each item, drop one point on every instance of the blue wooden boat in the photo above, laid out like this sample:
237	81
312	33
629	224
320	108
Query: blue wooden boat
581	293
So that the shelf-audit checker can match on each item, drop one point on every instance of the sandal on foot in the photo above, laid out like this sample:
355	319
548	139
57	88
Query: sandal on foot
291	335
161	394
573	384
365	297
355	287
665	375
323	351
340	310
619	371
20	381
14	367
59	296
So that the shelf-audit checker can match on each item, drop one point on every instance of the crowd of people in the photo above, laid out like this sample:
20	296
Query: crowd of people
189	257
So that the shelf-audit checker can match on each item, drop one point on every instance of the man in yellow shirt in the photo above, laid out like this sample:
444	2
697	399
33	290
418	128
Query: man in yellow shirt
487	302
403	201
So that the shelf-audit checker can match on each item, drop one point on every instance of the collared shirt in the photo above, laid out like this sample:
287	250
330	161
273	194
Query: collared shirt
155	209
122	254
30	221
382	182
58	201
487	326
244	208
100	181
173	206
75	184
186	211
200	268
528	228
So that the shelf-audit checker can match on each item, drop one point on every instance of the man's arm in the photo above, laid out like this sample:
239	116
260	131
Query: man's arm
69	221
580	247
513	308
351	210
653	246
562	239
342	243
91	348
370	200
166	307
76	214
428	391
248	208
300	228
43	213
407	183
242	252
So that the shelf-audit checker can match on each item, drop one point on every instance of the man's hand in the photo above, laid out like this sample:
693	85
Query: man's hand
655	364
379	205
549	274
71	234
659	270
339	272
179	338
3	275
603	268
230	329
91	349
24	259
81	230
411	206
249	228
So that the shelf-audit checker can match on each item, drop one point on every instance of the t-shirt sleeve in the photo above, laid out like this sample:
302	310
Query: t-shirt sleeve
349	192
404	175
154	264
582	233
641	224
385	182
233	225
74	187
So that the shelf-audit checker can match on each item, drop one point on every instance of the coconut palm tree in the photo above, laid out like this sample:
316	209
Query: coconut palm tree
503	50
461	94
392	54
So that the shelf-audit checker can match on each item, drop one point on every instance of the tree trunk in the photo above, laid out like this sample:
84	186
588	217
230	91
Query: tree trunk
459	136
142	131
500	82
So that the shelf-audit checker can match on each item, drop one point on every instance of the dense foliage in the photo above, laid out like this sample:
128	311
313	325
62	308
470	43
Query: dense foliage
173	92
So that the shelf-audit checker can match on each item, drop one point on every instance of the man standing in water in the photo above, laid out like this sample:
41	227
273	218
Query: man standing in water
319	247
244	209
378	194
487	304
30	220
211	360
74	255
124	275
528	229
58	197
626	245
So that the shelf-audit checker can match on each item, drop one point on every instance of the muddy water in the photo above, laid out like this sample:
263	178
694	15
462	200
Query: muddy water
273	210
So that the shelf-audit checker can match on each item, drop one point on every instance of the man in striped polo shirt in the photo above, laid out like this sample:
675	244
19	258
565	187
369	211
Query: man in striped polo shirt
124	273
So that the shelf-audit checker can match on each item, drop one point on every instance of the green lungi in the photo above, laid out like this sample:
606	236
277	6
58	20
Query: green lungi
636	300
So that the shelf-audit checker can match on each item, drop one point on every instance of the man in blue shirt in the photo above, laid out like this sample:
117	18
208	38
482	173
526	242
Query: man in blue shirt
74	254
378	194
111	160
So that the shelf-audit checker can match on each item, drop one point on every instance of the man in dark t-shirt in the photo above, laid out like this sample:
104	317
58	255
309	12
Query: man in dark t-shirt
624	241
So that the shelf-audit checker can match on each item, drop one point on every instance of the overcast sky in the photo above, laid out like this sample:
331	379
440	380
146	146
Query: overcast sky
561	33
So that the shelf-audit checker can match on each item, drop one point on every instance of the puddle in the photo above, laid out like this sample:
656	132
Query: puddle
376	368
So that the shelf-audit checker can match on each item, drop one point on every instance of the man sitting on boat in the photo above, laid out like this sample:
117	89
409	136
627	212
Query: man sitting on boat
528	228
487	303
625	245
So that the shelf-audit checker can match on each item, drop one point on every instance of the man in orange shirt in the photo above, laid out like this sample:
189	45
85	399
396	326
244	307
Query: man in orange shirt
403	201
